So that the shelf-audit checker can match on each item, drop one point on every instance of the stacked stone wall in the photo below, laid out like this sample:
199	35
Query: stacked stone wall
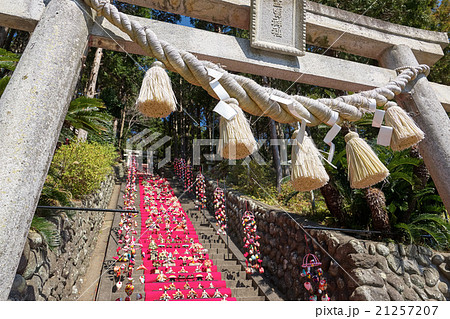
370	270
56	274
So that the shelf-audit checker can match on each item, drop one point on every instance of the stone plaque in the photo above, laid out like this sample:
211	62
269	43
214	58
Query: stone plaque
278	26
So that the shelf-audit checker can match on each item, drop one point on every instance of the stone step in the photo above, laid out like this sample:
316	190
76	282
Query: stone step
239	283
234	275
200	222
244	292
207	234
233	268
212	246
253	298
209	238
218	257
217	251
204	230
224	261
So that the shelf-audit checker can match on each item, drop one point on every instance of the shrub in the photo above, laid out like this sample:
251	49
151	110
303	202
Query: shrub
81	167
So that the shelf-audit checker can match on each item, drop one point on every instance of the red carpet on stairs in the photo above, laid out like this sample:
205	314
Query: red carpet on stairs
176	267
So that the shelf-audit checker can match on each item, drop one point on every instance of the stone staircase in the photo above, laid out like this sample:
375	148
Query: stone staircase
233	272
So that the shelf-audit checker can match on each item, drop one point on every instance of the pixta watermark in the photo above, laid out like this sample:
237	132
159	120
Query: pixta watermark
145	145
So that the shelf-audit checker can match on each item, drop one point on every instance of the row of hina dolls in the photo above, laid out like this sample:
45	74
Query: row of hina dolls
126	250
192	294
170	244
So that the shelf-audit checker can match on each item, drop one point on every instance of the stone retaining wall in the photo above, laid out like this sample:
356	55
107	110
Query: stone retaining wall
45	274
380	271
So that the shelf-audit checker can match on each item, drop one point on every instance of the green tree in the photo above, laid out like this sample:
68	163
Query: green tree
87	114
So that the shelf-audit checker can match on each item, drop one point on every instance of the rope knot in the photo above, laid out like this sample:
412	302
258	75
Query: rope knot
158	63
389	104
350	136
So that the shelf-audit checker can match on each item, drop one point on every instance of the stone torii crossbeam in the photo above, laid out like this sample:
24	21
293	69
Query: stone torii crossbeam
35	102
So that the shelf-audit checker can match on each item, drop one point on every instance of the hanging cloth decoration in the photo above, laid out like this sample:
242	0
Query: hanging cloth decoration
307	170
219	210
156	97
364	167
236	138
188	178
176	167
315	283
126	251
200	190
251	244
406	133
182	170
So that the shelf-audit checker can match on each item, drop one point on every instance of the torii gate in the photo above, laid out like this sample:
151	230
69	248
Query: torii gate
34	104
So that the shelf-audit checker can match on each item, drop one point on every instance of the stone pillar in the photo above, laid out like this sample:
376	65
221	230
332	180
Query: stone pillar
429	114
32	110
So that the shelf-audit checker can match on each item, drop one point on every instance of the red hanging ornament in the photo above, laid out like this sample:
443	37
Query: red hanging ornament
251	244
200	190
219	210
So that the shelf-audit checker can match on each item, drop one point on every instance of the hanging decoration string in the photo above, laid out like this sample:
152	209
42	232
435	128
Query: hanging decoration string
219	210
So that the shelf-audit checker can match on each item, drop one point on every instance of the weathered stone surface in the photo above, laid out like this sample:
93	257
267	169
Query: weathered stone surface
19	285
340	283
443	288
334	269
407	279
382	264
372	249
438	259
434	293
43	272
411	266
411	251
361	260
351	247
368	277
368	293
22	264
425	251
382	250
35	239
402	250
59	289
444	271
420	292
423	260
410	294
31	267
332	243
393	293
393	248
431	276
49	285
396	282
395	264
418	281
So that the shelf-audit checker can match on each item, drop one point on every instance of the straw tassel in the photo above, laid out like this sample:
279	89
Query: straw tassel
307	170
156	97
364	167
405	132
236	138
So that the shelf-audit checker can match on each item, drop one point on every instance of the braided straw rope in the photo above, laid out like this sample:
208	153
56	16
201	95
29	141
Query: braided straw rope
252	97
